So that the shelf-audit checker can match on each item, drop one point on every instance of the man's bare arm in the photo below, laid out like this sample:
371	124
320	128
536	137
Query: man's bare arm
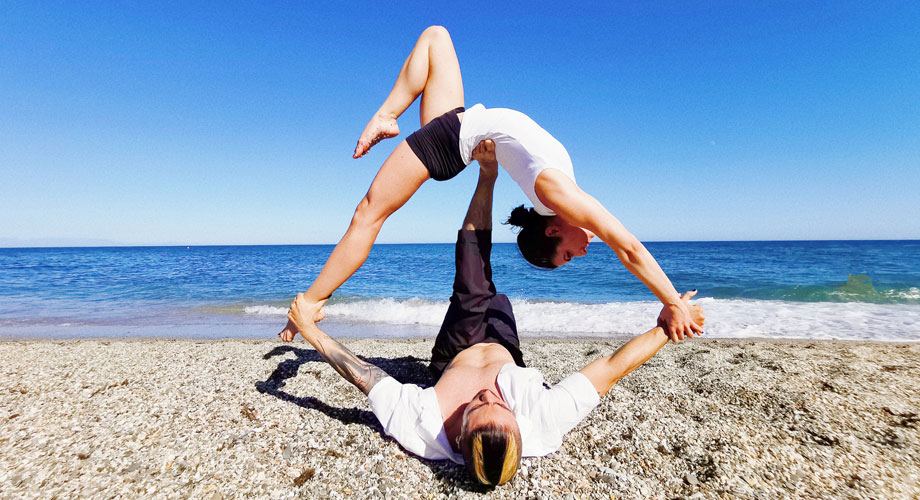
479	215
605	372
360	373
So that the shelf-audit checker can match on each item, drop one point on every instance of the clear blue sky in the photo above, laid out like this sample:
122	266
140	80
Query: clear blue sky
221	123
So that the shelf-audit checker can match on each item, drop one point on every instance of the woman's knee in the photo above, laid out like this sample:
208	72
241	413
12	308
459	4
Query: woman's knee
369	214
435	31
437	35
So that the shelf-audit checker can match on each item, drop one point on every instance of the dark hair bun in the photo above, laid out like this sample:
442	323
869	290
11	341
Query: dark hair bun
520	216
535	245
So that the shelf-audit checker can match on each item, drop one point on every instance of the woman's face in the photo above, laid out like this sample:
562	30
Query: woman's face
573	240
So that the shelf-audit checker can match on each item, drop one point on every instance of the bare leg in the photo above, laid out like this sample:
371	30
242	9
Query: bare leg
398	179
432	71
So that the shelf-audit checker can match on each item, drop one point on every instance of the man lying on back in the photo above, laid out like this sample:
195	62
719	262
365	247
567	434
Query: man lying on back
486	410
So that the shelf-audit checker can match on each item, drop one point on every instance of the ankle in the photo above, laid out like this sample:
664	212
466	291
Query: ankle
386	112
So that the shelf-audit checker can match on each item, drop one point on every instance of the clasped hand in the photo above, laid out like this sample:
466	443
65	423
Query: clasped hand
682	319
484	153
302	317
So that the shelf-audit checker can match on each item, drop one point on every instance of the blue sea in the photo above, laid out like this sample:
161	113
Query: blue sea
859	290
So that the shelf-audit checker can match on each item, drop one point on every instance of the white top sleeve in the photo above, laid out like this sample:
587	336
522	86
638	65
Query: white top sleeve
545	415
411	415
522	147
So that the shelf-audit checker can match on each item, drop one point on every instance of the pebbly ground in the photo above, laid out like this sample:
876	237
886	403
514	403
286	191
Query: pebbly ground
259	419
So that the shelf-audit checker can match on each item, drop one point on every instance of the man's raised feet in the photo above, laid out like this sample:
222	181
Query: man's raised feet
379	128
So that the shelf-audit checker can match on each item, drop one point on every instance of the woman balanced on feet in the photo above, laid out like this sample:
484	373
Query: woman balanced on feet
559	226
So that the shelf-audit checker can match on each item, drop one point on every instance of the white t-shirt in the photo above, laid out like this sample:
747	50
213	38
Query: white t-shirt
522	147
412	415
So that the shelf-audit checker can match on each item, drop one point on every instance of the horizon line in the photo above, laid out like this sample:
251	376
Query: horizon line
188	245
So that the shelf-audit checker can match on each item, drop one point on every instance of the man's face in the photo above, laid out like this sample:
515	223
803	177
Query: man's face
487	407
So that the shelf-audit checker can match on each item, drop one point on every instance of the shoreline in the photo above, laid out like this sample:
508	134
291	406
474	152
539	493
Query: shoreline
382	319
233	418
524	337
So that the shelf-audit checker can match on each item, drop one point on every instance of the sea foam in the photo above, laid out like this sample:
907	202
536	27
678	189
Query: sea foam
724	318
266	310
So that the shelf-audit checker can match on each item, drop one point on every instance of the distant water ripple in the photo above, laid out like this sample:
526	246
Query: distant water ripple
823	289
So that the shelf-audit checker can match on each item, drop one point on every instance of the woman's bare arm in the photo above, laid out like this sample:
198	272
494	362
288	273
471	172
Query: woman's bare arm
561	195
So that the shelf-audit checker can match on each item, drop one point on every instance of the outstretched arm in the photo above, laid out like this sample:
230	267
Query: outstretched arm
605	372
578	208
479	215
360	373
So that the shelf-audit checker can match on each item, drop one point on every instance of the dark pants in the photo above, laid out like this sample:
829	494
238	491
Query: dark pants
477	313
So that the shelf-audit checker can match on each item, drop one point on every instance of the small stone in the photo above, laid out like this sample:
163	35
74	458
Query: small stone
304	476
133	467
608	476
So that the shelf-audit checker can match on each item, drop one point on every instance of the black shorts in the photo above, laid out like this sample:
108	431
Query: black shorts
476	314
437	144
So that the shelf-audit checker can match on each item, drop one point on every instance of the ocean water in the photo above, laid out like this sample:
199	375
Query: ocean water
860	290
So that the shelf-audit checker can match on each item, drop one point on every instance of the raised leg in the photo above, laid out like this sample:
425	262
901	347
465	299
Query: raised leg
398	179
432	71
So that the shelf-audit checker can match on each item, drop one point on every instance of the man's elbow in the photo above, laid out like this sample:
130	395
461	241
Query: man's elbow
616	370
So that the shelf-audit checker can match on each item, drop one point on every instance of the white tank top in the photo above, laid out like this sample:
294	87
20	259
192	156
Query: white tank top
522	147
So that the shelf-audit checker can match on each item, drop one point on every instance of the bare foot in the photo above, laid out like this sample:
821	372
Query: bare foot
290	330
379	128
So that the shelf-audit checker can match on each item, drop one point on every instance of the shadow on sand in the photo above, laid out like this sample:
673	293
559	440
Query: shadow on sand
407	369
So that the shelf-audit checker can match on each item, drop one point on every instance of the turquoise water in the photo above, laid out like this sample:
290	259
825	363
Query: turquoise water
404	288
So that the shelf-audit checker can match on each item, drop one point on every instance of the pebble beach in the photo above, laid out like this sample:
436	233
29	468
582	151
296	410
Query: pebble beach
222	419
